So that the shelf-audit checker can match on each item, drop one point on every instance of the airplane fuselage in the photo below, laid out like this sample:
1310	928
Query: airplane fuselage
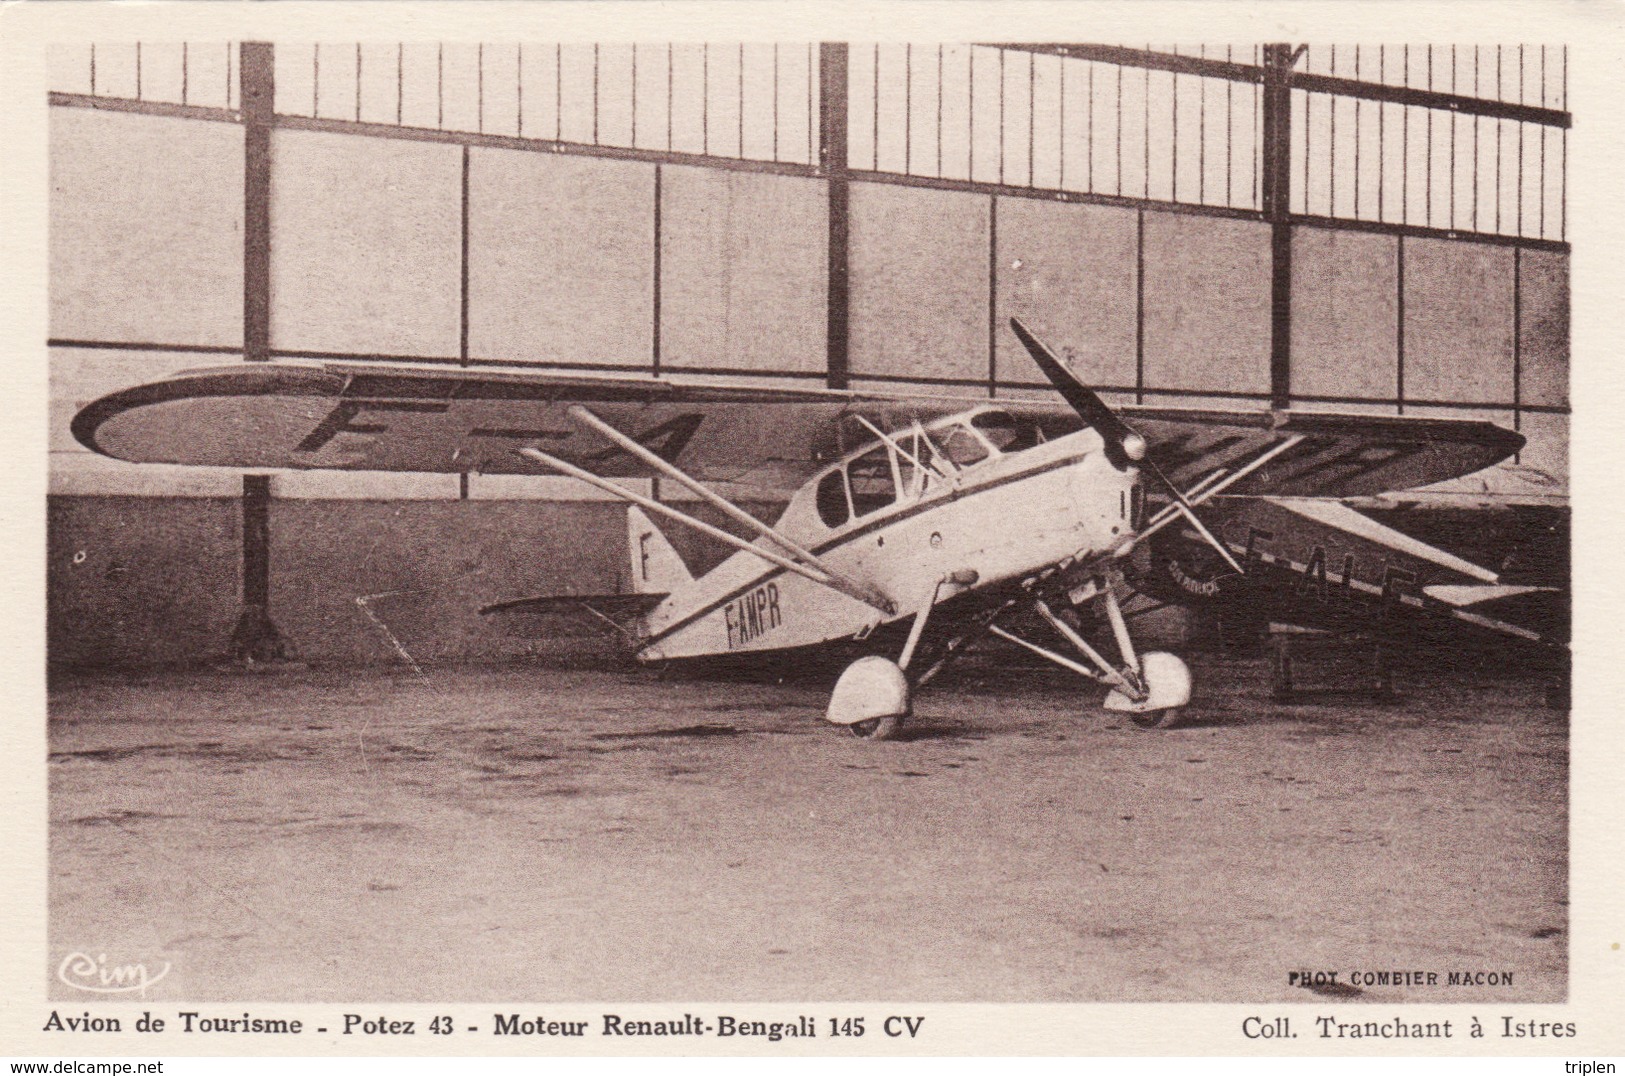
998	518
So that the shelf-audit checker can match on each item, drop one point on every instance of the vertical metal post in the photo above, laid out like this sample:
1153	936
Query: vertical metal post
1517	338
659	239
992	296
462	292
256	637
1139	307
1399	324
257	74
1276	153
832	139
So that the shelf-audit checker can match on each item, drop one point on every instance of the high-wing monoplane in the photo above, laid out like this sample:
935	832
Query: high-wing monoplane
915	525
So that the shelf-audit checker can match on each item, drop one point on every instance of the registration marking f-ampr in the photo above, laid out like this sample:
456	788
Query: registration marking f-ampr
752	615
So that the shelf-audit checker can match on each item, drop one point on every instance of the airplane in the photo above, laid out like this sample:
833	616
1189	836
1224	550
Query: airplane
1327	565
915	525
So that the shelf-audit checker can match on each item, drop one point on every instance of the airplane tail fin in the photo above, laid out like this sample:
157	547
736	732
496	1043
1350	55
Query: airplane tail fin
656	566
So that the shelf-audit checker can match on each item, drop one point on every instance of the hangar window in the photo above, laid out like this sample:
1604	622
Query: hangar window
1007	432
873	484
831	499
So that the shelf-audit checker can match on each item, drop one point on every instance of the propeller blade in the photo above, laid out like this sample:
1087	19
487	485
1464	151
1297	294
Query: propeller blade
1123	445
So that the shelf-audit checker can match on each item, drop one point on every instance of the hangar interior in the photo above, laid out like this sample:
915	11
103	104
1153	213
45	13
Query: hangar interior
1373	229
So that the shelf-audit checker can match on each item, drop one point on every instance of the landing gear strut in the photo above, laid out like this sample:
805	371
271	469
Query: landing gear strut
1150	688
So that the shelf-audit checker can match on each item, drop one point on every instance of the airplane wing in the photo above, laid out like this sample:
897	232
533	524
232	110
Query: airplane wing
396	417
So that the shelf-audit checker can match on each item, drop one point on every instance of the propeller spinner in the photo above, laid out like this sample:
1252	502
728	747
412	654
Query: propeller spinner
1123	445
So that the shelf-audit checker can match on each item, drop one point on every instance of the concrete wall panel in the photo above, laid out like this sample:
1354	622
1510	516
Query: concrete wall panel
561	258
1458	321
86	474
1207	303
141	580
146	580
1068	271
366	239
919	282
539	487
744	268
439	561
146	229
1546	454
1543	332
1345	300
363	485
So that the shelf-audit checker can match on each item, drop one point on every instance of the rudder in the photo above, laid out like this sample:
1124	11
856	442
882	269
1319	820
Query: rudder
656	566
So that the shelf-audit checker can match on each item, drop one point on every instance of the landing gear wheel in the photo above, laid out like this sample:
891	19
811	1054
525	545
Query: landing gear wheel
1158	719
1167	690
871	698
877	728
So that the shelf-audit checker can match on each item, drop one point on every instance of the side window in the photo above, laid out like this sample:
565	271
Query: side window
831	499
873	487
1007	433
961	446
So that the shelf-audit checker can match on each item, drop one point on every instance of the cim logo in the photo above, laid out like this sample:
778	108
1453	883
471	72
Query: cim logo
96	976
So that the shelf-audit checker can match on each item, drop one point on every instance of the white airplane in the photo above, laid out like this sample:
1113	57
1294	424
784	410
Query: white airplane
916	524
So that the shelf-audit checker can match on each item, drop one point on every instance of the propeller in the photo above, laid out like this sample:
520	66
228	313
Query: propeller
1123	445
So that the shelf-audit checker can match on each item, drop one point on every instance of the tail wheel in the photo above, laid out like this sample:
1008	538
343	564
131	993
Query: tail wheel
877	728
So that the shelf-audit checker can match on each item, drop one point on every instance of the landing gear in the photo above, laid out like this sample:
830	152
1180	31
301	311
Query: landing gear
1158	719
1166	683
871	698
873	695
1152	689
877	728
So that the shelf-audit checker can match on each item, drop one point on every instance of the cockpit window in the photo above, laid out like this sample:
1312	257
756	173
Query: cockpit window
1007	433
916	479
873	485
831	499
961	446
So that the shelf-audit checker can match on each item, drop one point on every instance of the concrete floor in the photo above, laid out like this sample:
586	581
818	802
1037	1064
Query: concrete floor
587	835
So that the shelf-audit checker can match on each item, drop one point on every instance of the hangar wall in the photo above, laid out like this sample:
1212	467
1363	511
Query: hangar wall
472	252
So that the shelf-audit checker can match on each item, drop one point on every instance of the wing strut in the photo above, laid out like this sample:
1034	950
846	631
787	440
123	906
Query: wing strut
1215	484
839	581
718	533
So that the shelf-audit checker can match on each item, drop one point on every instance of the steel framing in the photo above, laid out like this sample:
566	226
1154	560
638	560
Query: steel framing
256	637
829	154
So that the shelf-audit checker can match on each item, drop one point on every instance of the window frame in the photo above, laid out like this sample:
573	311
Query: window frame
839	474
891	474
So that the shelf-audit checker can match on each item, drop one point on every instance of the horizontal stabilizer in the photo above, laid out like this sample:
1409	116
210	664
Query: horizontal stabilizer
1463	597
616	607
